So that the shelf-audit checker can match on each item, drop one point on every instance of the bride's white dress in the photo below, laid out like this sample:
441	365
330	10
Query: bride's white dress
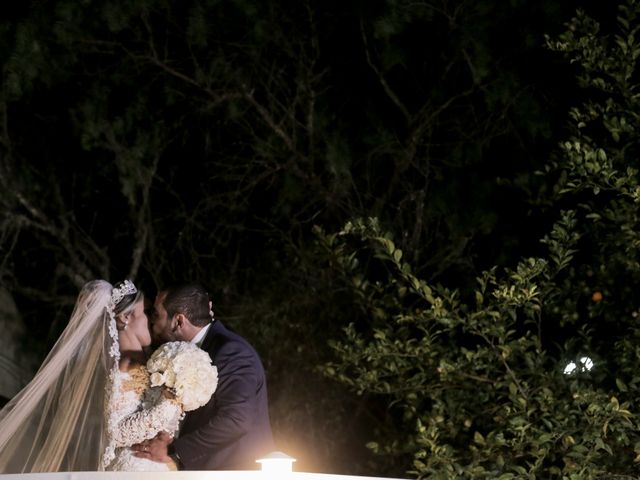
136	415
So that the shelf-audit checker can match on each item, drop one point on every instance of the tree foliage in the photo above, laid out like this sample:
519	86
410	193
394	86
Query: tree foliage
477	378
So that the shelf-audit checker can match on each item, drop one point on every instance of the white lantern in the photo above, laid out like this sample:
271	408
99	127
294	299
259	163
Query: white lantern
277	462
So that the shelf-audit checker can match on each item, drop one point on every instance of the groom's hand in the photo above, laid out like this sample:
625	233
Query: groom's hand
154	449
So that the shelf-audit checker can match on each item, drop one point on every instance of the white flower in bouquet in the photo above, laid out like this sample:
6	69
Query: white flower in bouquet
186	370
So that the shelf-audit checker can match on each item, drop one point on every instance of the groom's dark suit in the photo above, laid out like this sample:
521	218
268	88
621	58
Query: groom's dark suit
232	430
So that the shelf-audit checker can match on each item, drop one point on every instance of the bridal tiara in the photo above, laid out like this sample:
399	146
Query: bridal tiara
118	293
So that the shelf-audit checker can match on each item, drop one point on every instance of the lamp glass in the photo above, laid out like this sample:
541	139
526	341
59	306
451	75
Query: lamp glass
277	462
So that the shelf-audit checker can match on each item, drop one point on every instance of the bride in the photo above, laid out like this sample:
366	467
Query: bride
133	413
90	400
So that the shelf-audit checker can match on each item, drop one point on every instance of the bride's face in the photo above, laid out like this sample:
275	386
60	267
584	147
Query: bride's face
139	324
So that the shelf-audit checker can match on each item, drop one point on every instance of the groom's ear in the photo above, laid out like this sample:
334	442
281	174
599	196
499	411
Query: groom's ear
180	320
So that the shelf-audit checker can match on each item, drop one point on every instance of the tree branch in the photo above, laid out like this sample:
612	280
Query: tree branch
389	91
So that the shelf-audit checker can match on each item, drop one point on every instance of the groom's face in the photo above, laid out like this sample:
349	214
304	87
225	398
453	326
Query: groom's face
162	327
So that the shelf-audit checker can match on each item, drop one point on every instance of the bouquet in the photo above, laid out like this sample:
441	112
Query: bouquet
185	369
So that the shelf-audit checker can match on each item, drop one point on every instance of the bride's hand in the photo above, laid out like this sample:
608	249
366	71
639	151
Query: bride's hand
154	449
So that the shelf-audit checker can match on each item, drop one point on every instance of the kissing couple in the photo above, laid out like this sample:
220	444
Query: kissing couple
97	403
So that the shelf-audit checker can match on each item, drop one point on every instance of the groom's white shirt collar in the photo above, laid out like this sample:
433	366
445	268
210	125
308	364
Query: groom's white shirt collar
200	335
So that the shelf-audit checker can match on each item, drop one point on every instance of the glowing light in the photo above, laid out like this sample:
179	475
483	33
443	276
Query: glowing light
277	462
570	368
584	365
586	362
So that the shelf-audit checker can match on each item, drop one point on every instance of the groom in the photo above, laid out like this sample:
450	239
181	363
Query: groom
232	430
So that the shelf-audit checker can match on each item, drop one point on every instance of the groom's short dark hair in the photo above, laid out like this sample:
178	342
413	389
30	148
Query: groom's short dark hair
189	299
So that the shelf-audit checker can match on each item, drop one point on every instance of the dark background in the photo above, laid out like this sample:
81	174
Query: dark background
203	140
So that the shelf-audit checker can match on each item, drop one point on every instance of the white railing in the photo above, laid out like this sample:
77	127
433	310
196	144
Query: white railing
184	475
274	466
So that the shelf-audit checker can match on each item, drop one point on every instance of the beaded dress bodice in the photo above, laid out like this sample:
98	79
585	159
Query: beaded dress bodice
138	414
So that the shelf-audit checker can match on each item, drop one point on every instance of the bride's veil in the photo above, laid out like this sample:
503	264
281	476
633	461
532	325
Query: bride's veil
57	422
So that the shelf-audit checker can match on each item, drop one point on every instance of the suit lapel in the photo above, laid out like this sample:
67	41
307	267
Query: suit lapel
212	338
